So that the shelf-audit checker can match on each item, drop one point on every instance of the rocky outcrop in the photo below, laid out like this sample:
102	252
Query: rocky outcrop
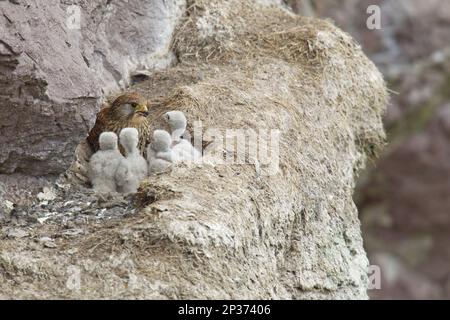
231	227
59	59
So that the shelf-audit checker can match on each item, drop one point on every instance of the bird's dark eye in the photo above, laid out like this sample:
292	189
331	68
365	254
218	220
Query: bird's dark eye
168	117
134	105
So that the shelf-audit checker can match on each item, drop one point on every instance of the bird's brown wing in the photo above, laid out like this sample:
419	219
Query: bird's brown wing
100	126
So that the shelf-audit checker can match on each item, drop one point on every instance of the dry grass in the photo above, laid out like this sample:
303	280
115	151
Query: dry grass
226	231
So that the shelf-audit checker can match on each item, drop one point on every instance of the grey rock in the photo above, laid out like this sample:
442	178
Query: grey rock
48	242
55	72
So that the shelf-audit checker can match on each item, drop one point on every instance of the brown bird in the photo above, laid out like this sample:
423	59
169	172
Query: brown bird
128	110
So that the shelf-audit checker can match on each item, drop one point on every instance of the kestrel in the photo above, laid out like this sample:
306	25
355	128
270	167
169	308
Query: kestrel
128	110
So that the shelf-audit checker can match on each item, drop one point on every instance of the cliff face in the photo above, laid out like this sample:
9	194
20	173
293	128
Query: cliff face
405	201
58	59
279	227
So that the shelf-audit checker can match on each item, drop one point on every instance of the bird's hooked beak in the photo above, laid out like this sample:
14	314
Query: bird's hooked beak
142	109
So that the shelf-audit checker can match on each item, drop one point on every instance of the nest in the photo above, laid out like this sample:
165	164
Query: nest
228	230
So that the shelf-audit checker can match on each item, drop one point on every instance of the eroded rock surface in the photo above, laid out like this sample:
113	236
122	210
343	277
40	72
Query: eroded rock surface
58	60
283	227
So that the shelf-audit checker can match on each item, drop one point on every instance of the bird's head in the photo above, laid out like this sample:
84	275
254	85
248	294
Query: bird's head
176	119
129	106
177	123
161	140
129	139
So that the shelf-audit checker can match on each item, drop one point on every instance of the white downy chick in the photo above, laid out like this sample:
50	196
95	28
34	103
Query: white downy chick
133	168
182	149
159	153
104	163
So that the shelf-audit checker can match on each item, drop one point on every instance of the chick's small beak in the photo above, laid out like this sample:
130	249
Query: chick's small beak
142	109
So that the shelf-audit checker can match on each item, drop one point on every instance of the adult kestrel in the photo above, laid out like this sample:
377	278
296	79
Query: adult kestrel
128	110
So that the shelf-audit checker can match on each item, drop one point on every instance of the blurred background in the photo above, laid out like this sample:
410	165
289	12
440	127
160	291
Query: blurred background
404	198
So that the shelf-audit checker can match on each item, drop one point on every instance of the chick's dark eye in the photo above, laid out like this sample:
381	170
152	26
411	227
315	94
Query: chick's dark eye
134	105
168	117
